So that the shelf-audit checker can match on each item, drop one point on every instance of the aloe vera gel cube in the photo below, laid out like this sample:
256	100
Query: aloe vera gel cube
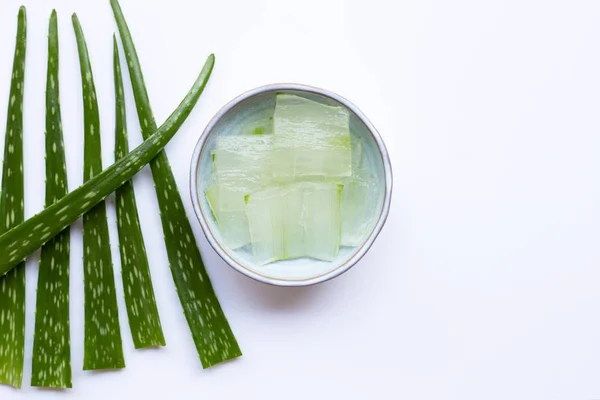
295	220
311	139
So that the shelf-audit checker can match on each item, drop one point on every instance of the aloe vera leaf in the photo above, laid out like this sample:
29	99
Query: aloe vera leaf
12	286
210	329
51	366
142	312
23	239
103	347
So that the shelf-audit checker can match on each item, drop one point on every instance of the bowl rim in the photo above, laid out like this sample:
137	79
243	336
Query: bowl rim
359	253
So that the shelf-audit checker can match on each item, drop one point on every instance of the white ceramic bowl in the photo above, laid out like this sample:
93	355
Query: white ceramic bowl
301	271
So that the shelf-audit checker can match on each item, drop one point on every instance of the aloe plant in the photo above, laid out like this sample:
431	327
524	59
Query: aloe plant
21	240
12	285
210	329
51	365
142	312
103	348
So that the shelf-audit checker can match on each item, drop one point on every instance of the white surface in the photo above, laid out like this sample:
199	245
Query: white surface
484	282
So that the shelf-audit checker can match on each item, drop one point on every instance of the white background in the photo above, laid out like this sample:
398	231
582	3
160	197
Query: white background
484	284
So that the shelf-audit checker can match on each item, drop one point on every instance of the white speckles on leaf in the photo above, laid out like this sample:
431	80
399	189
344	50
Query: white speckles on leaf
62	210
139	295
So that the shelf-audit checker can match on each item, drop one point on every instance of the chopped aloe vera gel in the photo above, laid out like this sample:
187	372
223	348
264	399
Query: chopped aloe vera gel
321	219
241	165
311	139
243	160
296	220
275	219
292	182
358	198
227	205
357	153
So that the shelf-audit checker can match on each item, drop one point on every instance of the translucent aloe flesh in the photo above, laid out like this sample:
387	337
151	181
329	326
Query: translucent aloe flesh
311	139
357	152
274	216
358	200
210	329
12	285
243	159
241	165
51	360
142	311
295	220
103	347
321	220
227	205
310	145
